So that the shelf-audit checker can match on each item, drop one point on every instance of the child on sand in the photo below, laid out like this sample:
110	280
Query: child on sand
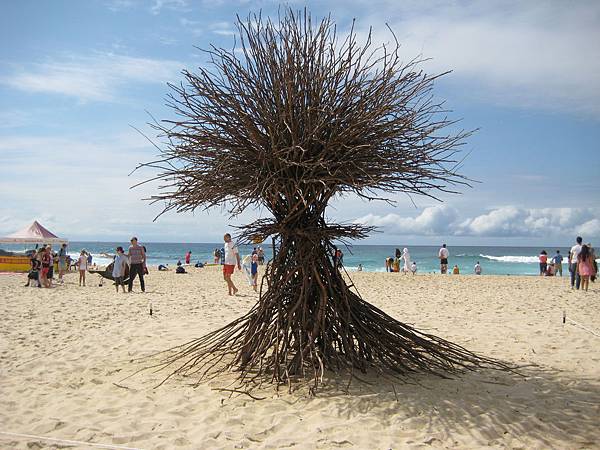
232	258
82	265
455	270
118	272
413	267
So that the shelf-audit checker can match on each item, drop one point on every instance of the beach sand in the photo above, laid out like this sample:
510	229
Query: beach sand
64	353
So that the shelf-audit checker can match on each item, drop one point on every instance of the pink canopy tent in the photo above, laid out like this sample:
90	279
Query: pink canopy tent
33	234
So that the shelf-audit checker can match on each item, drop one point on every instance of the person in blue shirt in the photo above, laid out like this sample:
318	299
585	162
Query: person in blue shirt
557	260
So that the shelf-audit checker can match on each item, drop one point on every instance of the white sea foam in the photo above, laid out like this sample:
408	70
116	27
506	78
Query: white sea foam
98	259
512	259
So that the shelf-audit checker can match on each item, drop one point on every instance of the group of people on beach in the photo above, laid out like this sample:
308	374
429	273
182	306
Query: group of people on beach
43	260
392	264
581	262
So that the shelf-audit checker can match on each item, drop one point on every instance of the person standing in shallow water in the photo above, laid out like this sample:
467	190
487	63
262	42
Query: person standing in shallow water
443	256
137	261
232	258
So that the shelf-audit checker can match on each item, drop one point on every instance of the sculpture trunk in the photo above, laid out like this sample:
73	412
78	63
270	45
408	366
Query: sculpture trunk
306	300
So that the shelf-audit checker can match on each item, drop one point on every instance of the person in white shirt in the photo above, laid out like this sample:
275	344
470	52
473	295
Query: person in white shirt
573	254
443	255
232	258
477	269
119	265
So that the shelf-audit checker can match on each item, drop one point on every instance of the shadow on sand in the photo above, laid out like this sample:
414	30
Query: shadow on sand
543	408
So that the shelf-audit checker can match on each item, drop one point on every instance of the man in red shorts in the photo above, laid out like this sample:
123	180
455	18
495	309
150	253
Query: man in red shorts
232	258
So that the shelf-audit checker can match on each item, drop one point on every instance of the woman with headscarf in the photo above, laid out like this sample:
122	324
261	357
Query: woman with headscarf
406	259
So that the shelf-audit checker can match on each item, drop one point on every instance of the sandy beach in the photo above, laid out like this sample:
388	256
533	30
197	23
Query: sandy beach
64	354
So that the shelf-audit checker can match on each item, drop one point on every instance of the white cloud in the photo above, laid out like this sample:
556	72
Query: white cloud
92	78
530	54
509	221
222	28
175	5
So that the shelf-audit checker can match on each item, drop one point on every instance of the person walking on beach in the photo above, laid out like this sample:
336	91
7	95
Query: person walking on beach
443	256
477	268
232	258
573	254
585	266
557	261
188	256
118	271
217	256
137	261
62	262
82	266
254	271
261	256
543	258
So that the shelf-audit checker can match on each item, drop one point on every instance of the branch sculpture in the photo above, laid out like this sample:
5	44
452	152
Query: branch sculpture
291	119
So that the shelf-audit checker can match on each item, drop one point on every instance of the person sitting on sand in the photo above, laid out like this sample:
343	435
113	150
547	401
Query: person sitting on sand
455	270
231	259
477	268
359	268
118	271
178	263
82	265
180	269
550	271
199	264
163	267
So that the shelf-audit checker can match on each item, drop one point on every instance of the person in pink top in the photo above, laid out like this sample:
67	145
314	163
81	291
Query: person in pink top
585	266
137	262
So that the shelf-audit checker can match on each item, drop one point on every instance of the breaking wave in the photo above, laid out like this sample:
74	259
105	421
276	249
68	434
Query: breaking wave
512	259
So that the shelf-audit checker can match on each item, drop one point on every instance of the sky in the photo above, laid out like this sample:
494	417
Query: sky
79	79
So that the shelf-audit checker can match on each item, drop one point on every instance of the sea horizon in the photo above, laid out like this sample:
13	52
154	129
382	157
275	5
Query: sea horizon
494	259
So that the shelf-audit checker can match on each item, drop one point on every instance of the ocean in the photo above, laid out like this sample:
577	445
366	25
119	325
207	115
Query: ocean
494	260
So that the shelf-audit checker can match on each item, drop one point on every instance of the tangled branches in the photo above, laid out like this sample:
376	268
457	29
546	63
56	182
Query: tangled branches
288	121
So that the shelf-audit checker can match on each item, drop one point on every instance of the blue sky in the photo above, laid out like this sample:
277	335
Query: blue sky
76	76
